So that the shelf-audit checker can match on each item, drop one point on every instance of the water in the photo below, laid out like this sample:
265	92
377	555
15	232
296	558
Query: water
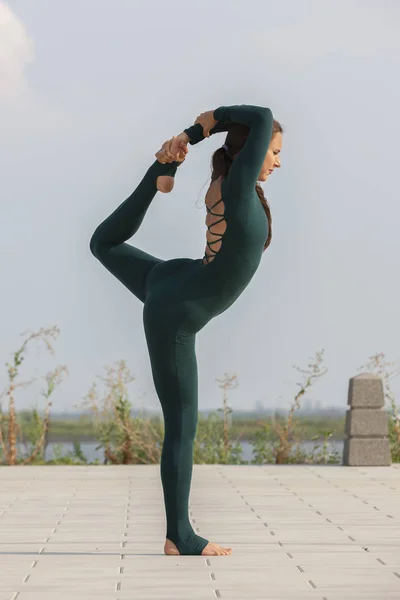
89	449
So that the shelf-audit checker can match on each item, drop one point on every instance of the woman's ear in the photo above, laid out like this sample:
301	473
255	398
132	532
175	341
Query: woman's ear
165	183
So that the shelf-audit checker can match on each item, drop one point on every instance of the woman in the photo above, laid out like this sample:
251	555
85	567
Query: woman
182	295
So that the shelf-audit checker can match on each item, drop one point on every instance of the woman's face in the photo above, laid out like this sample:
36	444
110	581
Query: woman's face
272	160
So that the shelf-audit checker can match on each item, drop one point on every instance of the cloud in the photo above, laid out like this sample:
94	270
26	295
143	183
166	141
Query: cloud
16	52
23	105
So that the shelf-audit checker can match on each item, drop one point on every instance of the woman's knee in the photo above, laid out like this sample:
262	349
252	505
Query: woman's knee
96	245
93	244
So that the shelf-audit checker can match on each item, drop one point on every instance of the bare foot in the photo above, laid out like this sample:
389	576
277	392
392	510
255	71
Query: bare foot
210	550
214	550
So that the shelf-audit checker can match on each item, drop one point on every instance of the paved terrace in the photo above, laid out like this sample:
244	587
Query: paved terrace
298	532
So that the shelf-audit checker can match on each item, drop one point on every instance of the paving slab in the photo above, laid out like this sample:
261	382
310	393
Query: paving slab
298	532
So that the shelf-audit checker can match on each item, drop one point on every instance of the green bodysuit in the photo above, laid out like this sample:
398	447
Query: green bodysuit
180	296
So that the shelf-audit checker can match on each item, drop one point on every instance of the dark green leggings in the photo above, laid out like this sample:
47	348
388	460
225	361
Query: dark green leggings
178	302
181	295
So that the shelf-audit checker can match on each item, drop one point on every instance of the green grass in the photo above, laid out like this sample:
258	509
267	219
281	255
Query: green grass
245	428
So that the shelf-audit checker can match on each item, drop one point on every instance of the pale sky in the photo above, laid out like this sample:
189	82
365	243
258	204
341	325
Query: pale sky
88	93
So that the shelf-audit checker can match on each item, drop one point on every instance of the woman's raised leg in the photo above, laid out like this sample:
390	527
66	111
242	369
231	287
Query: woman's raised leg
108	243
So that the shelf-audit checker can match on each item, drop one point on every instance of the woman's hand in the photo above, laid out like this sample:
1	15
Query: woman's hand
207	121
174	149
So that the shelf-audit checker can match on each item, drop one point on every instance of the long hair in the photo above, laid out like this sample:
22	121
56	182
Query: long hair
221	162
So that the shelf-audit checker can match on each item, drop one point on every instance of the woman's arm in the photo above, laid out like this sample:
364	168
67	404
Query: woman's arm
194	134
245	169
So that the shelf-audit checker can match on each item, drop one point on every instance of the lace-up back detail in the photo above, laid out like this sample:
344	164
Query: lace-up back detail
215	221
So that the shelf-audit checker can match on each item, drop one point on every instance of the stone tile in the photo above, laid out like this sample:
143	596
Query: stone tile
55	544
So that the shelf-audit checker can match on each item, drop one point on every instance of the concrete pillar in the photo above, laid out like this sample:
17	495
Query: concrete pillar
367	442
